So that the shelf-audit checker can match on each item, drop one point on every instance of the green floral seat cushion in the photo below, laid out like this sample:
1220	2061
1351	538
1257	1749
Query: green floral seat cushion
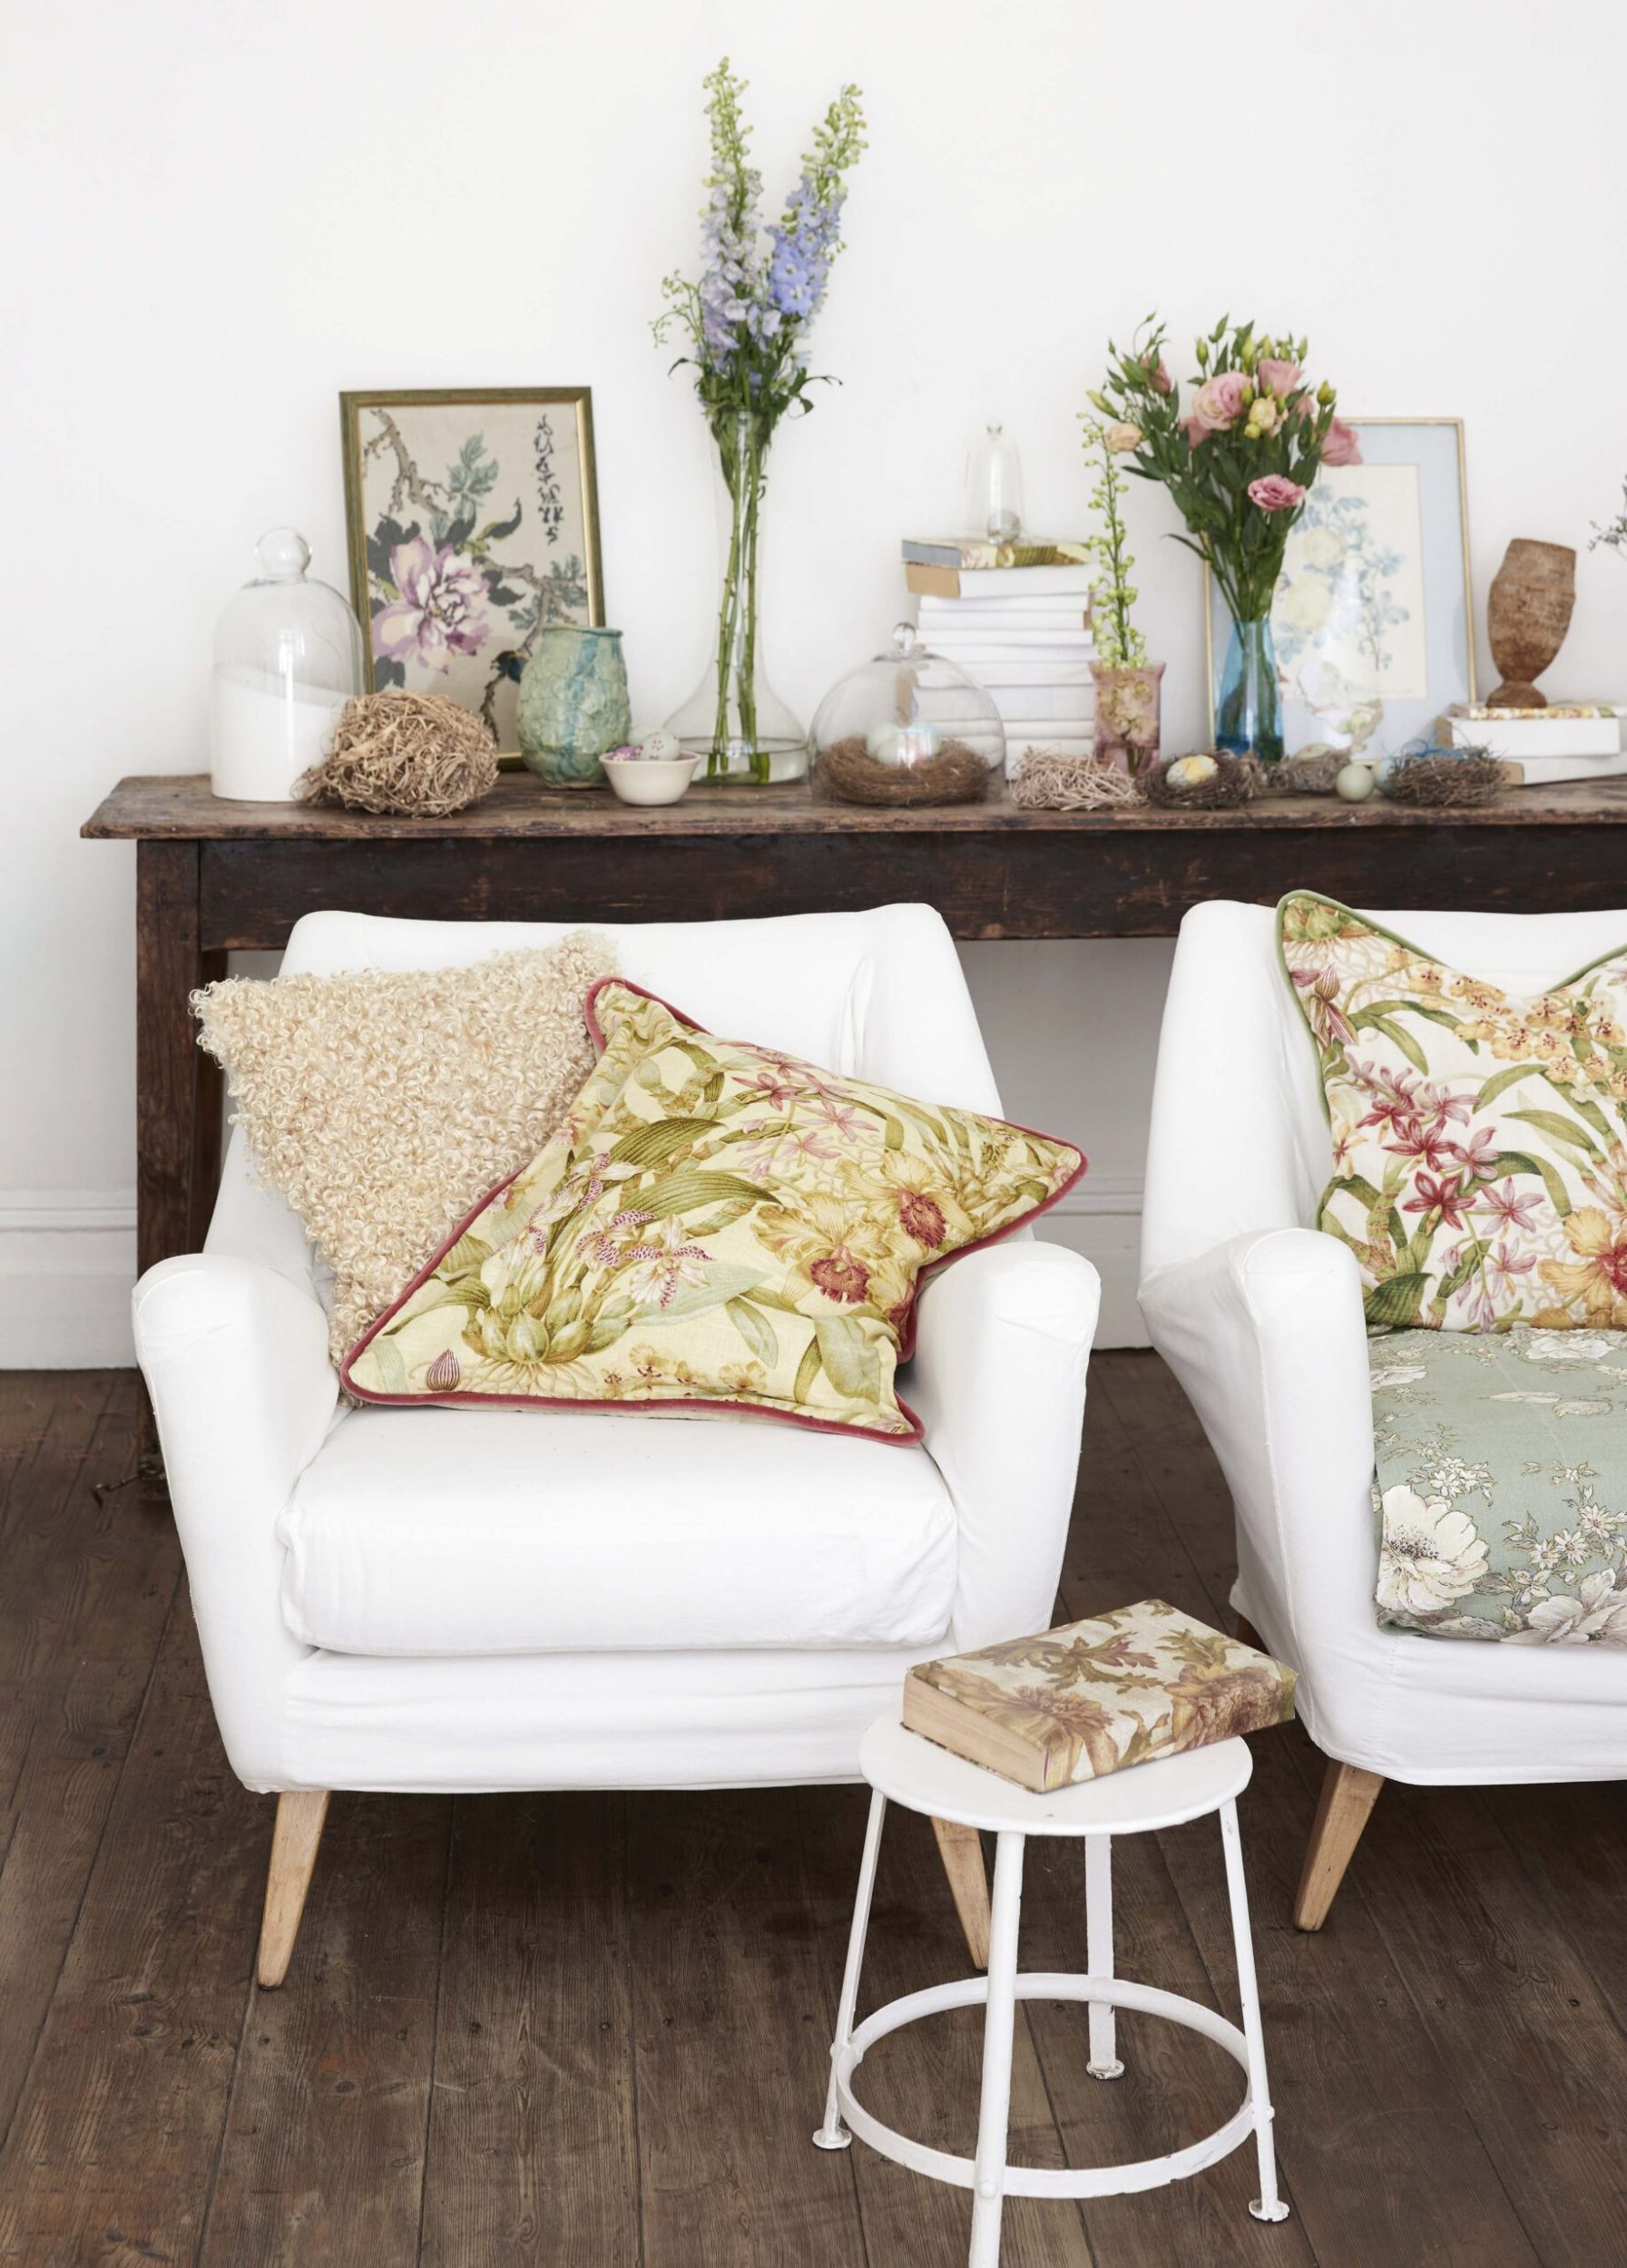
1501	1486
1479	1139
716	1226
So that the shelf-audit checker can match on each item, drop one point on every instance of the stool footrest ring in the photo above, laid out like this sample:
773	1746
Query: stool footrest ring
1032	2181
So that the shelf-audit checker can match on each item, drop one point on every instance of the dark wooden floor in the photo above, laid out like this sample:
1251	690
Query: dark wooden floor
590	2030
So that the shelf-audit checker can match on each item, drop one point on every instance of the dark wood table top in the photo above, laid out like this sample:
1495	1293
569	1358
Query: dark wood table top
179	807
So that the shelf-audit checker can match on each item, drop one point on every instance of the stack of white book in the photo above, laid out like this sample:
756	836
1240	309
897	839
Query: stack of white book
1016	619
1566	740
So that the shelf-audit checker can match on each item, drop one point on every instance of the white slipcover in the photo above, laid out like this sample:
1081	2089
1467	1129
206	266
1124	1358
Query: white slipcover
461	1599
1260	1317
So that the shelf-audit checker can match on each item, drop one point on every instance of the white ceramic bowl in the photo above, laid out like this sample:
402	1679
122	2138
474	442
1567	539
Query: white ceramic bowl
663	781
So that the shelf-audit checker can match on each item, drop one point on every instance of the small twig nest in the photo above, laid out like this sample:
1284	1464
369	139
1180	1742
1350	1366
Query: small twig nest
1311	772
1436	782
957	774
1235	779
418	755
1050	781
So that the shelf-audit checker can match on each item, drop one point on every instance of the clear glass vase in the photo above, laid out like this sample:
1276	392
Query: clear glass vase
1248	698
734	717
1128	702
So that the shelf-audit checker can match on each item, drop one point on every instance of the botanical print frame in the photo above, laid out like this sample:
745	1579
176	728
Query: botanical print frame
473	520
1373	621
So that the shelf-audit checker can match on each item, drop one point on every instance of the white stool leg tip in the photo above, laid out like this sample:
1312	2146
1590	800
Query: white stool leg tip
1278	2210
1114	2070
838	2138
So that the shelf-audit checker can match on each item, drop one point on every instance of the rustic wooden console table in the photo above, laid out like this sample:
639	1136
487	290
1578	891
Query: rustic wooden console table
213	876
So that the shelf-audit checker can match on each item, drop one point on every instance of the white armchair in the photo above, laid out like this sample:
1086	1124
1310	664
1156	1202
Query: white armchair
1259	1316
444	1599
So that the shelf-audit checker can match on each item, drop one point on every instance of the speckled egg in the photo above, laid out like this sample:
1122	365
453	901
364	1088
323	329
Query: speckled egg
659	747
1188	772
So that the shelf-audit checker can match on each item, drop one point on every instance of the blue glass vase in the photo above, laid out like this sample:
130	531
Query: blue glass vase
1248	700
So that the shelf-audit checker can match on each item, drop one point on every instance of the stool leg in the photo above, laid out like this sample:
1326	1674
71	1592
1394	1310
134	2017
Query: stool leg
833	2134
1268	2205
994	2114
1098	1926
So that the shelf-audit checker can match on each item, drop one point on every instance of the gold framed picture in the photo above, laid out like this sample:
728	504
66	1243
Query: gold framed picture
473	520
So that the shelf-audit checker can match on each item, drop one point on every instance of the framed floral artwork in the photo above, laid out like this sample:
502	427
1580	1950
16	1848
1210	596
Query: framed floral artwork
1372	623
473	522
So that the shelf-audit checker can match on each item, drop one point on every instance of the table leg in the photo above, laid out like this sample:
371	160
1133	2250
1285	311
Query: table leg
178	1093
833	2134
1098	1923
1268	2205
994	2114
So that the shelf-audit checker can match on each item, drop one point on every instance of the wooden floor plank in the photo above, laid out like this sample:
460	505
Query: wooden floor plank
84	1590
114	2141
924	2081
730	2024
323	2155
533	2158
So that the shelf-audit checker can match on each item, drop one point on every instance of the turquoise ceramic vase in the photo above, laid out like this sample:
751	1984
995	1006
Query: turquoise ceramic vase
573	704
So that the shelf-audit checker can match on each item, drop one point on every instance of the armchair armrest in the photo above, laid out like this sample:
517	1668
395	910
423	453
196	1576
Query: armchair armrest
1267	1335
1003	1341
235	1358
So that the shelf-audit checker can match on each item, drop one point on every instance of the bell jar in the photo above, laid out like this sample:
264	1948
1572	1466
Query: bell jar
905	727
288	657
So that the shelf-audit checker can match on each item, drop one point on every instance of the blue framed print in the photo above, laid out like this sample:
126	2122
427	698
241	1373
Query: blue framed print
1372	623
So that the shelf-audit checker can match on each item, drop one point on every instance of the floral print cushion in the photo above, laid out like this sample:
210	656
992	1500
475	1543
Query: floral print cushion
715	1226
1501	1484
1479	1139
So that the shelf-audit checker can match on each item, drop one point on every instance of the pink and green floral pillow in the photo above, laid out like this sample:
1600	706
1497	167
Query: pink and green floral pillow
715	1226
1479	1137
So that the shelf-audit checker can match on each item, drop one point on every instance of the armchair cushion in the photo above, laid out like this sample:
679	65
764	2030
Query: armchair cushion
1479	1137
716	1226
1502	1484
435	1532
382	1104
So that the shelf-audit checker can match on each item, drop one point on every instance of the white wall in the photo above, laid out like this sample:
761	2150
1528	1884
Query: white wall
218	214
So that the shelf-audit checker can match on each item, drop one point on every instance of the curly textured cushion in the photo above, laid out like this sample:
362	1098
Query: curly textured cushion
715	1226
381	1106
1479	1139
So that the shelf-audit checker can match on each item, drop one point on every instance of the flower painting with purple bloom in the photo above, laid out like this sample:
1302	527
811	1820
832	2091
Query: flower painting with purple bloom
474	524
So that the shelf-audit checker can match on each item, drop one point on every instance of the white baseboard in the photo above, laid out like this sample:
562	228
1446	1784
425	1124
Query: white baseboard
67	1261
1101	1218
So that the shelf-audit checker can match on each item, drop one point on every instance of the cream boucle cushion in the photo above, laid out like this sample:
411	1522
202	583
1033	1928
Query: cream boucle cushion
383	1106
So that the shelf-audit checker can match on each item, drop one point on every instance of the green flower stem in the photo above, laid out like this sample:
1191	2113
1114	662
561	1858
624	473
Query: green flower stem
742	451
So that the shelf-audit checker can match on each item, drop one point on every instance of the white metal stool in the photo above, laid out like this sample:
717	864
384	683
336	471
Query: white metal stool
903	1768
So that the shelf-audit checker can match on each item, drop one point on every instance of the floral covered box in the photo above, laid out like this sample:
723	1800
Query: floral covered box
1093	1697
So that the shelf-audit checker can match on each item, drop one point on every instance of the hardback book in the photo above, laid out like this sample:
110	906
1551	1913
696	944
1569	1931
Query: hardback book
1059	707
936	614
954	551
1020	645
1096	1697
998	583
1004	670
1552	771
1571	729
1069	735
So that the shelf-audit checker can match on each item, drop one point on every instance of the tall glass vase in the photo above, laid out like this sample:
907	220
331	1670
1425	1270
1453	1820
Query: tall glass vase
734	717
1248	698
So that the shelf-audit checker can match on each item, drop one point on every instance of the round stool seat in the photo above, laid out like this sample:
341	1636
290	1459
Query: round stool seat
916	1773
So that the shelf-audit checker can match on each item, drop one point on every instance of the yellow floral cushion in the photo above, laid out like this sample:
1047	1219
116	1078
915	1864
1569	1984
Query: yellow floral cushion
714	1226
1479	1139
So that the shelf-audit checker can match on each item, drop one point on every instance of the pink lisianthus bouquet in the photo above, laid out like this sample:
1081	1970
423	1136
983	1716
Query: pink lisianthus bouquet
1240	457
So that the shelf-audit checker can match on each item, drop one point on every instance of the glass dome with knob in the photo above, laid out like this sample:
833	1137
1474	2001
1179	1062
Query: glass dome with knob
288	657
907	726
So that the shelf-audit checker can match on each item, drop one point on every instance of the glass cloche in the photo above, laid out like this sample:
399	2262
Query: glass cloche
288	657
907	726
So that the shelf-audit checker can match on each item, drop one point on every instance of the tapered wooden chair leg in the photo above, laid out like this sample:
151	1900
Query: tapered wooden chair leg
301	1812
961	1849
1349	1794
